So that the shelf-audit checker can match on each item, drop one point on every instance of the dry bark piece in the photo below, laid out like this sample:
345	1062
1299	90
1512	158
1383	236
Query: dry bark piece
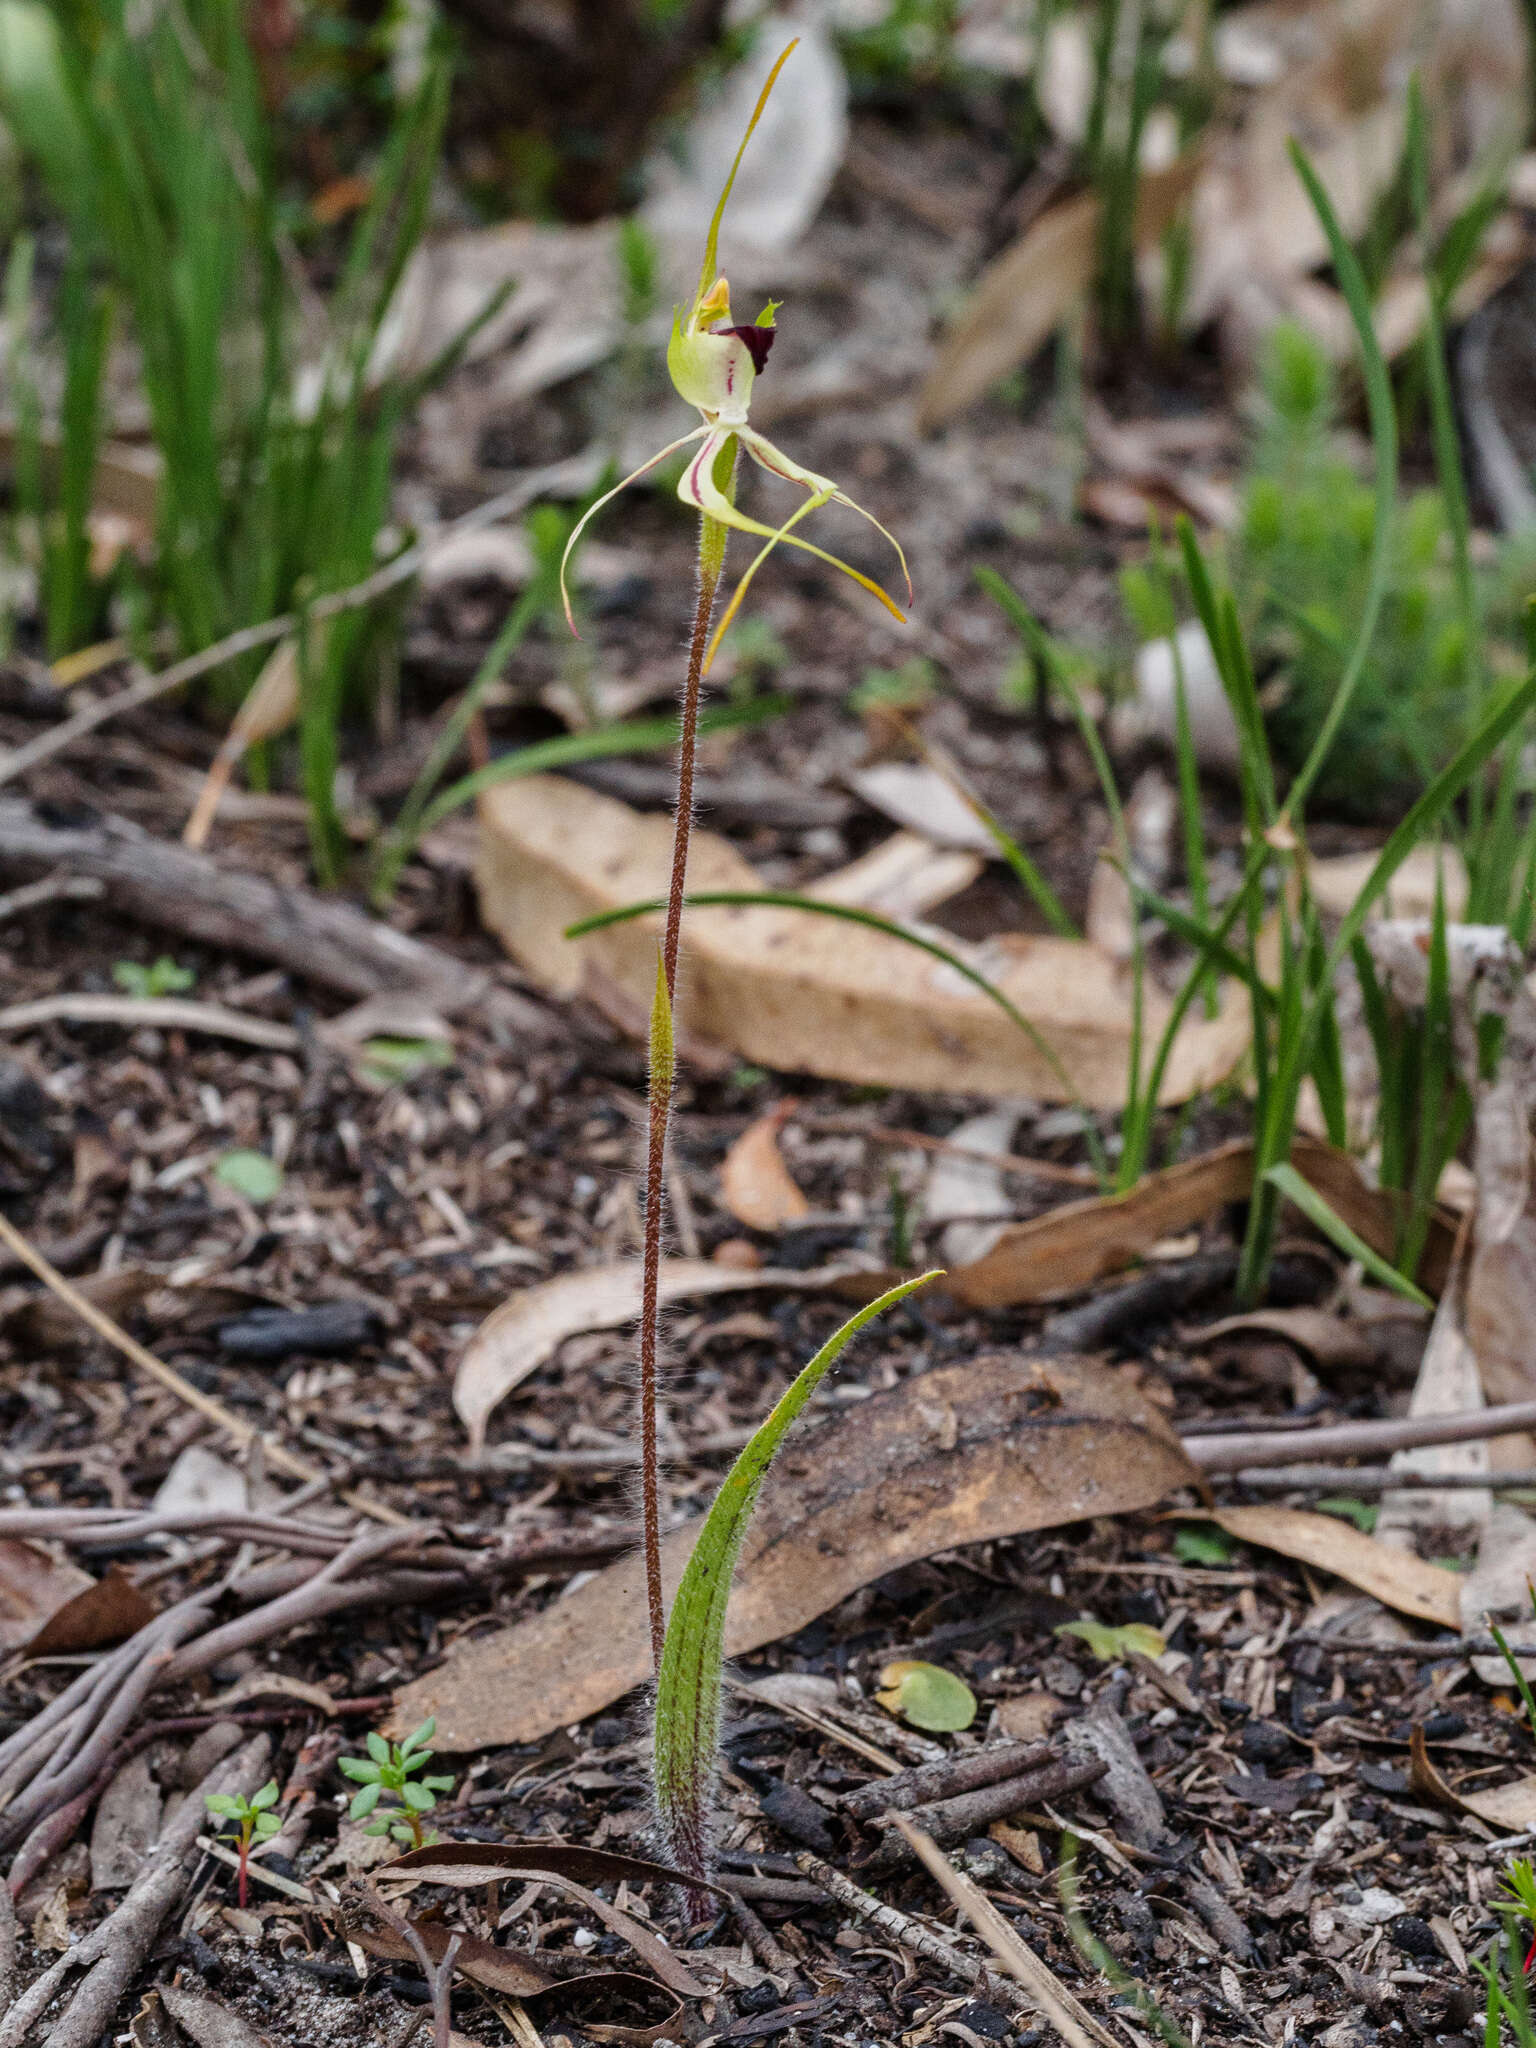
127	1821
1395	1577
758	1188
803	993
210	2023
531	1325
996	1446
325	939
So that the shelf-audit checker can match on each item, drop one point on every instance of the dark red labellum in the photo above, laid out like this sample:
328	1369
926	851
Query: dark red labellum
758	340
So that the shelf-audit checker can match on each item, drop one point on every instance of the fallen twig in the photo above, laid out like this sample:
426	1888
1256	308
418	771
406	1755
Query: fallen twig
439	1975
165	1013
1233	1450
910	1933
51	889
944	1779
115	1950
1048	1995
1379	1479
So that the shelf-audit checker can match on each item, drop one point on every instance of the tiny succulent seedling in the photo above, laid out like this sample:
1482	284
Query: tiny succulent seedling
394	1768
248	1821
163	977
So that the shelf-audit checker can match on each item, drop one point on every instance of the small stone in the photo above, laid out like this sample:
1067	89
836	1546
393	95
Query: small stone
1444	1727
798	1815
764	1997
1415	1937
609	1732
985	2020
1263	1742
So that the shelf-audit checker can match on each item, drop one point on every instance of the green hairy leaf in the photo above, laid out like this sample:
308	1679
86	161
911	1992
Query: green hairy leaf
688	1686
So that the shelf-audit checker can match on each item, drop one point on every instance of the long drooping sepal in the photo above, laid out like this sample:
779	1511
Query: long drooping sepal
593	509
777	463
699	489
767	548
688	1686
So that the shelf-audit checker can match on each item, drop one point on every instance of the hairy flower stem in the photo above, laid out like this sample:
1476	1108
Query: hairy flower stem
712	537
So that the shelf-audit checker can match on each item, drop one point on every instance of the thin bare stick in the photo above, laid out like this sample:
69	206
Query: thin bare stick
439	1975
1051	1998
1232	1451
912	1934
49	889
711	560
166	1376
575	474
1380	1479
164	1013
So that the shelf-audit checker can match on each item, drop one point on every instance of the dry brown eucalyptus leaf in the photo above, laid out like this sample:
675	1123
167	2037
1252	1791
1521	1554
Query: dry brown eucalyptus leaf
1510	1807
801	993
990	1448
1395	1577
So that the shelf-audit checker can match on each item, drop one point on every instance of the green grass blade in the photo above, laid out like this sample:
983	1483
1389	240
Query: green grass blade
1289	1183
688	1686
1383	418
787	899
631	736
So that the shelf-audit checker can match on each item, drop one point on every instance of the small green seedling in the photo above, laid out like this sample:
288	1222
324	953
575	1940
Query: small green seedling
392	1767
251	1174
1110	1644
250	1820
163	977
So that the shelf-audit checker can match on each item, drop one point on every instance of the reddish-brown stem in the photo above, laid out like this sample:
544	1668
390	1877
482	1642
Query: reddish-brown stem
661	1101
242	1889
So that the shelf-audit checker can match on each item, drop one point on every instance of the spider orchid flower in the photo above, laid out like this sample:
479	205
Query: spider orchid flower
714	363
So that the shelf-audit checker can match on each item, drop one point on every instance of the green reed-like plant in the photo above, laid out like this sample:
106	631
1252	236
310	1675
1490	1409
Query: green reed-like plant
713	361
276	439
54	473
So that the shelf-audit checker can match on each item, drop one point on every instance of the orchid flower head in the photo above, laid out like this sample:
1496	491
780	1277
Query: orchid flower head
714	362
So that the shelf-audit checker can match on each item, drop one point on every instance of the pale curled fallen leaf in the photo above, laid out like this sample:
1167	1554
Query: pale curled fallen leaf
1395	1577
1327	1338
758	1188
1024	294
1510	1807
800	993
466	1865
531	1324
514	1971
852	1497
